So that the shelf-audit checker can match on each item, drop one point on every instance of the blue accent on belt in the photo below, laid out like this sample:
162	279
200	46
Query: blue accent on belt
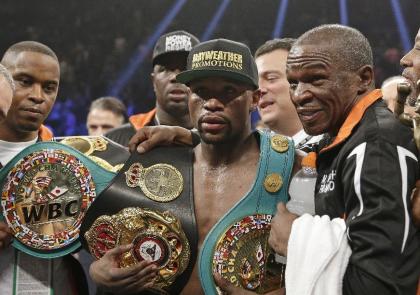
257	201
100	176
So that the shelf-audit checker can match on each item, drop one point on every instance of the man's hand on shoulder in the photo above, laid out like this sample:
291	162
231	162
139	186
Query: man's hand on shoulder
133	279
5	235
149	137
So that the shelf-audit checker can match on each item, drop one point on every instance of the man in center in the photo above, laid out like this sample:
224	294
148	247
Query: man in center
223	80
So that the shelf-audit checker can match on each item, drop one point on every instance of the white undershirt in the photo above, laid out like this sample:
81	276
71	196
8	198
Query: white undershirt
10	149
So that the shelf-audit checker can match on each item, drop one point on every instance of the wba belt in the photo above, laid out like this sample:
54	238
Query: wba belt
237	246
149	204
46	190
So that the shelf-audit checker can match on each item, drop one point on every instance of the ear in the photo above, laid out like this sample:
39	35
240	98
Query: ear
152	76
255	99
365	78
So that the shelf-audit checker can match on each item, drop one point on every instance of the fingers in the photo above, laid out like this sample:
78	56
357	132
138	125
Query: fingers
117	251
138	138
141	272
223	284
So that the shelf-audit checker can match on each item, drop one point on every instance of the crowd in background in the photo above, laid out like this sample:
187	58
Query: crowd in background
95	40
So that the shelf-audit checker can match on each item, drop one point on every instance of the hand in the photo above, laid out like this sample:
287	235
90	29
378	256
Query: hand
5	235
228	288
281	226
149	137
133	279
415	202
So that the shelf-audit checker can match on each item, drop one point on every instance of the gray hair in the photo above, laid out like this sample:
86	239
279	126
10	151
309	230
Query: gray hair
6	74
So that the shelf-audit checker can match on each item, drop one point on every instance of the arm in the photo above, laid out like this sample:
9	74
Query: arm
415	201
148	137
133	279
381	234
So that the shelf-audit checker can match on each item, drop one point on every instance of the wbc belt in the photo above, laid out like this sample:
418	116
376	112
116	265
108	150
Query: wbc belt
237	246
46	191
149	204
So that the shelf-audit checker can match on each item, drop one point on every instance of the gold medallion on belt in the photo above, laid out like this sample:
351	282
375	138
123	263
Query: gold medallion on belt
160	182
156	236
279	143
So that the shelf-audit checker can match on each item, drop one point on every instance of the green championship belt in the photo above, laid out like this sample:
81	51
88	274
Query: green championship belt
237	246
46	191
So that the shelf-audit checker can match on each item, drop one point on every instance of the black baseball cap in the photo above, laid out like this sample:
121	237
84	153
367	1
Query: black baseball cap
177	41
221	58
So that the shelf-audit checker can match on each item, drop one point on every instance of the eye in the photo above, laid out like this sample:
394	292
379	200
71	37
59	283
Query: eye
50	88
23	81
200	91
318	80
272	78
293	84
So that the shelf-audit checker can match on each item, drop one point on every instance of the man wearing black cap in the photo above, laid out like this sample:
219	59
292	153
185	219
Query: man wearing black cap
232	213
169	58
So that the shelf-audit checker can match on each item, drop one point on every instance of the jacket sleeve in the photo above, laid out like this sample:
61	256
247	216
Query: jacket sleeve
377	179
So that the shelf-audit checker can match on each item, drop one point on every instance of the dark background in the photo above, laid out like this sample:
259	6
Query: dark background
97	40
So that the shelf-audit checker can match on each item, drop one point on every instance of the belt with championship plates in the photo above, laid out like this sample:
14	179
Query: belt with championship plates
46	191
149	204
237	246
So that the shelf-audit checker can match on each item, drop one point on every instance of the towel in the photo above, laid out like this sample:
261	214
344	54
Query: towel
317	256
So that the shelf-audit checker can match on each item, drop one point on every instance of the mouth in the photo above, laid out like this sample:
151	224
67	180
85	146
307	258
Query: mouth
212	124
178	94
265	103
308	114
32	110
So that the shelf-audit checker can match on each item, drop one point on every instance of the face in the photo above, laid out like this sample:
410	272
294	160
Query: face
171	96
36	76
100	121
220	109
322	92
275	104
411	64
6	96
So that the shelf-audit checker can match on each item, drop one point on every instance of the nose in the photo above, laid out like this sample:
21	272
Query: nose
263	90
36	94
173	75
406	60
301	94
213	105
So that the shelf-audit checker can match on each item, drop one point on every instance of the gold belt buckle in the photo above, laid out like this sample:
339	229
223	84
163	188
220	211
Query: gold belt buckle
156	236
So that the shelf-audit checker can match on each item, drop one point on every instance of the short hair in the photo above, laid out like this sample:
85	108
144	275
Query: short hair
6	74
274	44
348	46
110	103
31	46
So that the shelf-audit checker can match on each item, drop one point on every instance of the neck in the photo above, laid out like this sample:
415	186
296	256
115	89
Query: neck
286	129
8	133
216	155
165	118
289	124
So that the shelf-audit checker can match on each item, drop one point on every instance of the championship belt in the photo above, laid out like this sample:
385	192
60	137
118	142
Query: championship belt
149	204
101	150
46	191
237	246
